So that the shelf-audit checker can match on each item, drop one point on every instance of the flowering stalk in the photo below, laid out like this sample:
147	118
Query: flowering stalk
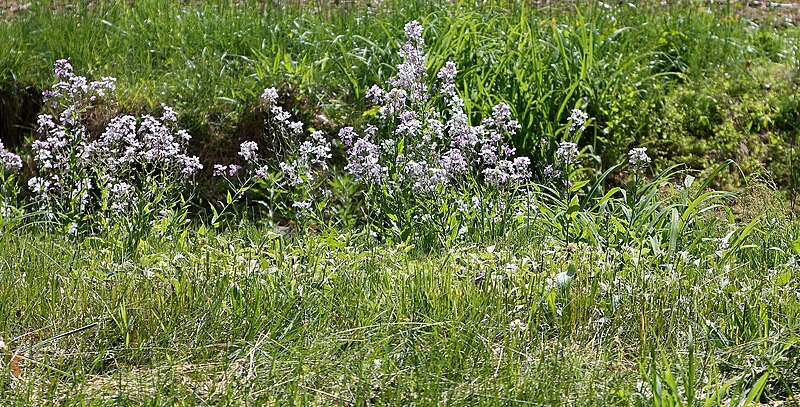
10	165
638	160
421	153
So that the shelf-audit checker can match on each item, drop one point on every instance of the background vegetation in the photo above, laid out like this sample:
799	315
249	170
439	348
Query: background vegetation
696	82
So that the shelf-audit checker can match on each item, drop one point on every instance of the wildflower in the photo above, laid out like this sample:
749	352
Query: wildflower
270	96
316	151
501	118
76	168
247	150
638	158
363	158
476	202
567	153
550	172
281	115
262	171
577	121
303	208
447	74
375	93
9	160
413	31
411	73
62	67
290	173
169	115
189	164
296	128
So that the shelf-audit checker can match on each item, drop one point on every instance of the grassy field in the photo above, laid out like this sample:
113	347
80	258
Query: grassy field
561	264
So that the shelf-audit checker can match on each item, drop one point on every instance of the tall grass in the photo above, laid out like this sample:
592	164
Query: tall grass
251	315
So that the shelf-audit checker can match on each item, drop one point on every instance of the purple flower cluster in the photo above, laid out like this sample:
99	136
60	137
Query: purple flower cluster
280	118
72	165
8	160
567	153
438	147
72	93
248	150
226	170
364	156
313	155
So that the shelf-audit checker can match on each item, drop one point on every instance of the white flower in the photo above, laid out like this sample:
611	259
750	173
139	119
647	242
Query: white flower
562	279
567	153
638	158
248	150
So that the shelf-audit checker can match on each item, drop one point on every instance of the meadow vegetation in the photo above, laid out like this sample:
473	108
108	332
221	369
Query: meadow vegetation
398	203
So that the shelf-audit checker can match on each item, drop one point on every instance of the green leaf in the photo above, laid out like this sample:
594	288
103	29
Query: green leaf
578	185
783	279
574	205
572	270
796	246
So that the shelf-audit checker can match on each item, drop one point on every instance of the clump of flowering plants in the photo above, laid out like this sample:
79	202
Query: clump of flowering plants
427	171
132	173
299	177
10	165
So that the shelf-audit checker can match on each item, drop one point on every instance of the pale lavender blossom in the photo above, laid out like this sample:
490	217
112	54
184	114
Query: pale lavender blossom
316	151
411	73
312	153
375	94
226	170
637	158
501	119
233	169
303	208
550	172
189	165
447	75
9	160
270	96
219	170
577	120
413	31
567	153
363	158
262	171
248	150
281	115
73	166
296	128
169	115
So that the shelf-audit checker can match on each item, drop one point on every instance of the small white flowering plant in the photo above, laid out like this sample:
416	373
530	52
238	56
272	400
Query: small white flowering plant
10	166
296	186
128	176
